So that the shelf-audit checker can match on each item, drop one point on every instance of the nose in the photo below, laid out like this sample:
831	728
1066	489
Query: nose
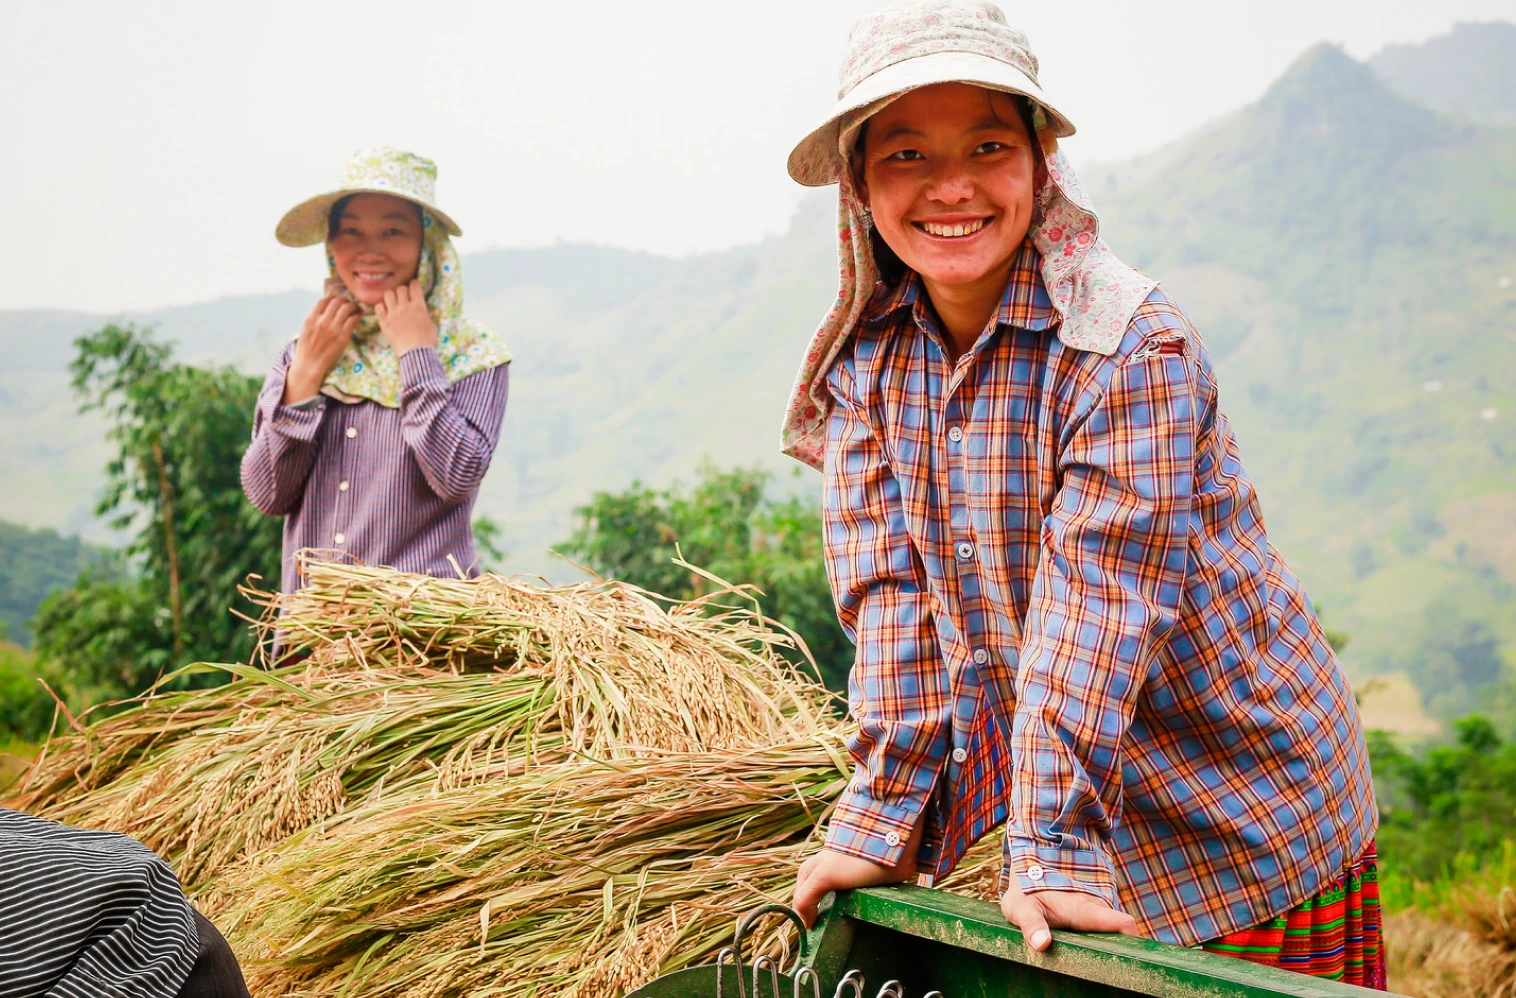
951	183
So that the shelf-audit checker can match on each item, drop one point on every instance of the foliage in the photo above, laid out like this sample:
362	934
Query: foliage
487	544
729	526
26	708
179	432
34	563
1458	663
1450	805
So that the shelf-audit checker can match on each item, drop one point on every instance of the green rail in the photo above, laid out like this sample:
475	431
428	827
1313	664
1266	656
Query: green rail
928	941
964	948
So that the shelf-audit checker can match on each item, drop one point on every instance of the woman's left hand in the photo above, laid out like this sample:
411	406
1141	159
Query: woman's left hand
1034	914
404	320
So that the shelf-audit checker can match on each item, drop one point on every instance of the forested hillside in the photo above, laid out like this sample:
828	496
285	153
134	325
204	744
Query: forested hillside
34	563
1348	251
1349	256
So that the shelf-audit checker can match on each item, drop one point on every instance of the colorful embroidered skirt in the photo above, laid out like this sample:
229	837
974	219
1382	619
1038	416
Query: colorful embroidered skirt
1335	934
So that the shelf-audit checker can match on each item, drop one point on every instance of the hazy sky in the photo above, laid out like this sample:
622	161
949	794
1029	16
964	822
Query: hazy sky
152	145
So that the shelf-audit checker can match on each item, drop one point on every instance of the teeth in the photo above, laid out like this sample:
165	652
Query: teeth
962	229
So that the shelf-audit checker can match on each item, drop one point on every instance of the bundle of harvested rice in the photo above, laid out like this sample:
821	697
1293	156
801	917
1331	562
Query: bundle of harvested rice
472	787
427	680
564	880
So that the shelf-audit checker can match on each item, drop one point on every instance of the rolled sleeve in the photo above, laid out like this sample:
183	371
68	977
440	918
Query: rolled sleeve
451	428
898	689
1045	868
284	444
1107	591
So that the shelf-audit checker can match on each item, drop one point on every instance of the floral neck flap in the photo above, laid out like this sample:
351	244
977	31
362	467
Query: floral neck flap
1092	291
370	369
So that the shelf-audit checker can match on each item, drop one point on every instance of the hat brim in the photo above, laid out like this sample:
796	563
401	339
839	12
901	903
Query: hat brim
306	223
818	161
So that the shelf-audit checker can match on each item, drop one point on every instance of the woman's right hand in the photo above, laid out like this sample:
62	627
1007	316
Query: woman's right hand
829	871
327	332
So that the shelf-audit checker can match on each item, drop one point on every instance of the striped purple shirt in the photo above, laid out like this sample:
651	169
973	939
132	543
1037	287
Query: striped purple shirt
391	487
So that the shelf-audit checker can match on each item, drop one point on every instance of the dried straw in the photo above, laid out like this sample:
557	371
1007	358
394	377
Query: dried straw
472	787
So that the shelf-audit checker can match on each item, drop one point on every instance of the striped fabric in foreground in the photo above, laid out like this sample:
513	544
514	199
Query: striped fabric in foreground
1337	934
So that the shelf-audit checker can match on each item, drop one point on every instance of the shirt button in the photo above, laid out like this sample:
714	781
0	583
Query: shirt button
342	487
340	538
960	754
1034	872
352	431
965	550
892	839
955	434
981	657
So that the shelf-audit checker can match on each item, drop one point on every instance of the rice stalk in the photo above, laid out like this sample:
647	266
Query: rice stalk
472	786
547	880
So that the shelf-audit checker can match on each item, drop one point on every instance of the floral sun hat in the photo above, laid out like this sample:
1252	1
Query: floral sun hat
380	170
369	368
918	43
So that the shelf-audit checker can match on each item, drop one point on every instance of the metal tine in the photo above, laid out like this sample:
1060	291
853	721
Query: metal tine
890	989
852	979
815	982
932	994
721	958
773	968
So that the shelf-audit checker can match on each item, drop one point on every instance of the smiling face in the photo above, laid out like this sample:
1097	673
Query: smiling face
949	173
375	240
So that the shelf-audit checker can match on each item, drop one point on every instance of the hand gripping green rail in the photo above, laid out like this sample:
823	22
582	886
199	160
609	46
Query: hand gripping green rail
930	944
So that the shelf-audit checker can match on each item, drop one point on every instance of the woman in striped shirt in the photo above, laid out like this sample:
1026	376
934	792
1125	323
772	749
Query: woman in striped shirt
375	427
1069	618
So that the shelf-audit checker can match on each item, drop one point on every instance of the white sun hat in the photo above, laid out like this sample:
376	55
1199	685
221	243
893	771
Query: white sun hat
378	170
915	44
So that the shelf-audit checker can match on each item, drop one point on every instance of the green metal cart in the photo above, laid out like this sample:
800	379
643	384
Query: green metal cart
911	942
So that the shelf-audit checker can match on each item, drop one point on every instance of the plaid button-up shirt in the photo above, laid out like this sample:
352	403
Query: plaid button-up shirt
1069	620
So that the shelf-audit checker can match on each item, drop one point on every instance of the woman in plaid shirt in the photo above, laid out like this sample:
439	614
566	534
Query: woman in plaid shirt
1069	619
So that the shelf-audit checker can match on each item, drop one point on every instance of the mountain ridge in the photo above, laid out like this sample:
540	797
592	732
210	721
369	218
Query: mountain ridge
1342	247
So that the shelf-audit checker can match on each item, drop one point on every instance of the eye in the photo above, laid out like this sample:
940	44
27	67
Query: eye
349	231
989	147
904	155
394	232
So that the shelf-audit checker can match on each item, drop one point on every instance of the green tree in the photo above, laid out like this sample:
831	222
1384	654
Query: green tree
26	708
729	526
1448	802
179	433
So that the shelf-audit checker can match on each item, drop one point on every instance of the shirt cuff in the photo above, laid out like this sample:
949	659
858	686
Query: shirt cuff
420	366
872	829
298	422
1047	868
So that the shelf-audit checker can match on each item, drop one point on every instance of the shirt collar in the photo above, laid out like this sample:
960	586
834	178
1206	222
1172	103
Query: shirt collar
1024	305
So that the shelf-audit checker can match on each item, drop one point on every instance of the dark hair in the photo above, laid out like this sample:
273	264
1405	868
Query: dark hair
891	268
334	217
